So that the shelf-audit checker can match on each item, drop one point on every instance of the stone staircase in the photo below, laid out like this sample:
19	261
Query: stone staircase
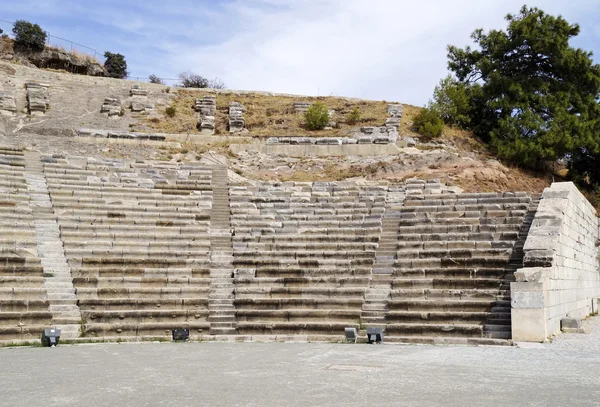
221	298
57	273
377	296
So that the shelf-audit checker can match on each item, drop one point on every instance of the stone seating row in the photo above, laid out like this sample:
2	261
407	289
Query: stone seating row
139	256
24	308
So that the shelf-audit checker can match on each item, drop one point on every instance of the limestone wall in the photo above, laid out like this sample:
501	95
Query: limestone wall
560	277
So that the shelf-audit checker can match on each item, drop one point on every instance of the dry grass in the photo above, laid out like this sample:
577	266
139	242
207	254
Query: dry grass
268	115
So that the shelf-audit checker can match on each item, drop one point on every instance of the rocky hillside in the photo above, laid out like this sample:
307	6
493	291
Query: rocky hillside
71	102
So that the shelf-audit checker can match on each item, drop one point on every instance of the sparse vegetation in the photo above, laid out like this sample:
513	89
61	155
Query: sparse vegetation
451	100
428	123
316	116
271	115
155	79
192	80
171	111
353	116
29	36
115	65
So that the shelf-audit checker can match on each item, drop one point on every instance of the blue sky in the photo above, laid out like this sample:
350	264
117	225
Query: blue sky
376	49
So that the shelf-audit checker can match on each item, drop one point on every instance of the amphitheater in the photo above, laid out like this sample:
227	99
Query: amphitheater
117	249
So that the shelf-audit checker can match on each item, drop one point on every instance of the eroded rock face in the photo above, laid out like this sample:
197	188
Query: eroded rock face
59	59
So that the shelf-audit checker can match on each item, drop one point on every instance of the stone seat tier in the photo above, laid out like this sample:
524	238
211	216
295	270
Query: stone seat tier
438	305
297	328
91	188
194	230
449	262
131	210
148	293
67	201
331	245
131	254
118	218
27	318
405	253
23	305
130	304
457	228
436	330
138	282
449	283
159	263
297	315
20	281
307	232
271	263
482	209
436	318
452	200
14	197
134	235
130	271
30	332
22	293
298	303
444	293
292	238
146	316
451	273
21	270
299	254
145	329
322	223
460	221
308	271
138	194
422	238
97	244
299	292
279	282
405	246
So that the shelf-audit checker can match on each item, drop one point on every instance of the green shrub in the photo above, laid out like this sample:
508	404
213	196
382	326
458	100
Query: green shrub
171	111
428	123
353	117
317	116
452	101
155	79
29	36
116	65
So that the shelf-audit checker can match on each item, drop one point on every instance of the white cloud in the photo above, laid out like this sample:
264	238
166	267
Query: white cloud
378	49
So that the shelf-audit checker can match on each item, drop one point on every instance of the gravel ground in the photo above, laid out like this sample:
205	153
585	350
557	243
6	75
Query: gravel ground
589	341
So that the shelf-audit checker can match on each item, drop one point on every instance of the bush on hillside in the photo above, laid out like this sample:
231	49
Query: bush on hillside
171	111
428	123
155	79
451	100
29	36
115	65
191	80
317	116
353	116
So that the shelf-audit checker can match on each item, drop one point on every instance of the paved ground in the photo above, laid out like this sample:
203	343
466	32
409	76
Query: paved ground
565	372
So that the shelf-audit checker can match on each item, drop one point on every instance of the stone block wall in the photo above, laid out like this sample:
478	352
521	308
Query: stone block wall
560	275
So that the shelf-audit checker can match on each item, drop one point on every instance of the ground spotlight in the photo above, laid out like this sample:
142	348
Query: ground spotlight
181	334
374	335
351	334
50	337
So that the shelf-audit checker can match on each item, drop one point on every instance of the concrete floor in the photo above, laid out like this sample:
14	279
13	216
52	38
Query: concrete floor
277	374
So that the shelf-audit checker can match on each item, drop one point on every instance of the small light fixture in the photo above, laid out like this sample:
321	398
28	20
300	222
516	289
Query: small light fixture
351	334
50	337
374	335
181	335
